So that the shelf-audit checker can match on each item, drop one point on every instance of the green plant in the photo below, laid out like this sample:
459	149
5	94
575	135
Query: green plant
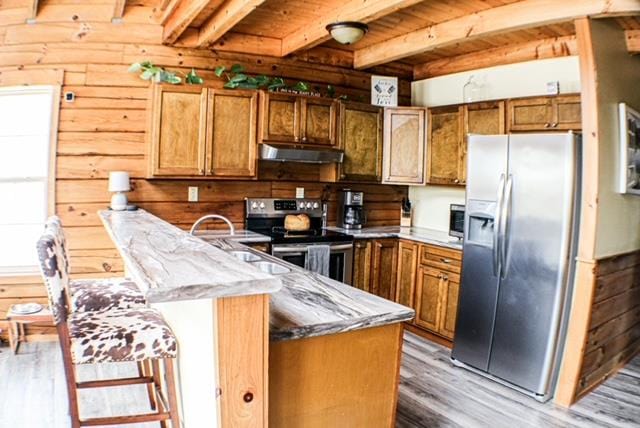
237	78
148	71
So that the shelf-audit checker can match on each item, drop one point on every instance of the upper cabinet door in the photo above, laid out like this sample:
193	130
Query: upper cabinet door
360	133
530	114
178	129
445	146
481	119
318	120
568	113
404	146
280	118
231	141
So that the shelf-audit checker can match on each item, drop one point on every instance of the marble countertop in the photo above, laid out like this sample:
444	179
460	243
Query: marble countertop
240	235
311	305
169	264
418	234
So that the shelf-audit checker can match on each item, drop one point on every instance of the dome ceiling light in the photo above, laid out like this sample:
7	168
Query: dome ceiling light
347	32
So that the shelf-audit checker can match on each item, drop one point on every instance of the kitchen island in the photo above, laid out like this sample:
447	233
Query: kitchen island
333	351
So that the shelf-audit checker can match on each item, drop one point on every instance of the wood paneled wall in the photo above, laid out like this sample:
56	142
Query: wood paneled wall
105	128
614	332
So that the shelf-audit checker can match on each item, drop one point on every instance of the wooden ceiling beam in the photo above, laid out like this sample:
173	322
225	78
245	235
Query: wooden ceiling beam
633	41
528	51
181	17
224	18
502	19
314	33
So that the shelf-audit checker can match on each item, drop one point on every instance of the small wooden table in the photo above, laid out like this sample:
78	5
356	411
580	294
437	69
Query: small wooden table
18	321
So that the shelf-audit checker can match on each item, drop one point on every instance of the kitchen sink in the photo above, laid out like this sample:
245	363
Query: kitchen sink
271	268
245	256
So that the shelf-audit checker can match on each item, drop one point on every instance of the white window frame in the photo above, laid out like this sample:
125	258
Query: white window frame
50	179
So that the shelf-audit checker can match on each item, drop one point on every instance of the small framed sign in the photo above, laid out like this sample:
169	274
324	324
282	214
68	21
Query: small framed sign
629	166
384	91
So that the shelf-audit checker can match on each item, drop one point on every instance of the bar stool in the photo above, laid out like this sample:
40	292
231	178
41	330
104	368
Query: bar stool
135	334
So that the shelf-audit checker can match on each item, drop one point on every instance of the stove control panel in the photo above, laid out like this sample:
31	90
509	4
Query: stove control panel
270	207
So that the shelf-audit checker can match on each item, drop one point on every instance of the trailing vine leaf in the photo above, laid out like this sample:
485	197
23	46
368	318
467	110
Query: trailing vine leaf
238	78
301	86
237	68
331	91
192	78
219	70
154	73
276	83
135	67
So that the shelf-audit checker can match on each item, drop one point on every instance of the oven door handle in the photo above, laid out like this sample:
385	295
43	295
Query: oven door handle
301	249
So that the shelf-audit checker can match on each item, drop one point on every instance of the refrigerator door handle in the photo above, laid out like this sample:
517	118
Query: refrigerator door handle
504	227
496	226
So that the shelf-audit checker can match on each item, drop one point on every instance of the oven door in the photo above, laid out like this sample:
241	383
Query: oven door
340	258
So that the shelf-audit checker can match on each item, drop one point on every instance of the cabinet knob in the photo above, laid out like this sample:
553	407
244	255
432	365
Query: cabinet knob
304	139
443	260
547	125
554	125
445	277
457	181
295	138
202	172
247	397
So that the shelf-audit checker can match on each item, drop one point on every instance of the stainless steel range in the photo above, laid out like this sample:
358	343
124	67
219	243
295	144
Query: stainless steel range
267	216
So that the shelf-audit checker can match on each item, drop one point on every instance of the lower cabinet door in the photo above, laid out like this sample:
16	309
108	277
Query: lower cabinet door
407	270
428	298
385	263
362	265
450	290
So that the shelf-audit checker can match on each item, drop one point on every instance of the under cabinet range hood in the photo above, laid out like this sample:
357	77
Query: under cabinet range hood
289	154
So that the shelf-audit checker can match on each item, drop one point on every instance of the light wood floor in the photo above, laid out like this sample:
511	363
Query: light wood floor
433	393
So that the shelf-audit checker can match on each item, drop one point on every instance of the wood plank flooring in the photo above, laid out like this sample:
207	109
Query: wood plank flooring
433	393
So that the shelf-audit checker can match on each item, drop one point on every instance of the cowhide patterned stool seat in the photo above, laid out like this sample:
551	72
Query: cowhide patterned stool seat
96	294
89	337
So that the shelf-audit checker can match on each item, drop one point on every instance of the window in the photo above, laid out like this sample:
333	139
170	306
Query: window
26	116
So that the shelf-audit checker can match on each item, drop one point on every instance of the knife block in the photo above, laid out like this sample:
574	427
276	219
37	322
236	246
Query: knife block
405	217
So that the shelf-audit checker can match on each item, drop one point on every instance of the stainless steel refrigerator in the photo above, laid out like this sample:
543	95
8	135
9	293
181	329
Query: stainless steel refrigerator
519	243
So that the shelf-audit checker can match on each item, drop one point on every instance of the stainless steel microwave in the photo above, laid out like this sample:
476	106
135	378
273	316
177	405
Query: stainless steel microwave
456	220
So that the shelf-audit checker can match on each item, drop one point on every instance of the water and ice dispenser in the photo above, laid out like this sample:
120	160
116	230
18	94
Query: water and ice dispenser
480	222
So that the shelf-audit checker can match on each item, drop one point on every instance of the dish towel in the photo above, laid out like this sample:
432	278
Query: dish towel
318	259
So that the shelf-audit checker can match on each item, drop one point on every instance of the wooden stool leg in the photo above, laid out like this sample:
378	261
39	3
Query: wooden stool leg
157	381
13	336
171	392
145	370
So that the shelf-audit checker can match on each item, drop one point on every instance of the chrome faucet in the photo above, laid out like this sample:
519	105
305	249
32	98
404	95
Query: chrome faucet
201	220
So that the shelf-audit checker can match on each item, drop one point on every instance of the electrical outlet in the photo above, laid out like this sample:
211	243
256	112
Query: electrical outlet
553	88
299	192
193	194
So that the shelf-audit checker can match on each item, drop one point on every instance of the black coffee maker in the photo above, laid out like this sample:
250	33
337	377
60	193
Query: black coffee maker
351	213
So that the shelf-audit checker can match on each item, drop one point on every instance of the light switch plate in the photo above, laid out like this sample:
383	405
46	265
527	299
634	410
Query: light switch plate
553	88
299	192
193	194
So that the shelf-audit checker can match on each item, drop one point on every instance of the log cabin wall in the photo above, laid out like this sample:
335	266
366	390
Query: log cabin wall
614	333
105	128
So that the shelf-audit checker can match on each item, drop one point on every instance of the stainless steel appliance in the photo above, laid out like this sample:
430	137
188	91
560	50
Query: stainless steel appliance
519	243
351	213
266	216
456	220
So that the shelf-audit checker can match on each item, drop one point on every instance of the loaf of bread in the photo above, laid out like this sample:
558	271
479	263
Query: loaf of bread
297	223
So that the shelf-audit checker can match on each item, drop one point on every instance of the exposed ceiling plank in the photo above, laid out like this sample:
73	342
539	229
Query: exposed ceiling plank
528	51
118	10
314	33
181	17
633	41
235	42
224	18
502	19
164	10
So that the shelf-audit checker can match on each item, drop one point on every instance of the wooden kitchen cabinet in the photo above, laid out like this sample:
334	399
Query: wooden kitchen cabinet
437	301
296	119
384	265
450	292
407	272
445	145
362	264
544	113
198	132
178	131
231	139
404	145
486	118
360	137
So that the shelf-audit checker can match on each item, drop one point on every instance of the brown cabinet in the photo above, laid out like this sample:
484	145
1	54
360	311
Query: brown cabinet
231	139
404	145
428	298
544	113
384	264
360	137
202	132
362	264
178	131
297	119
407	270
445	148
487	118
